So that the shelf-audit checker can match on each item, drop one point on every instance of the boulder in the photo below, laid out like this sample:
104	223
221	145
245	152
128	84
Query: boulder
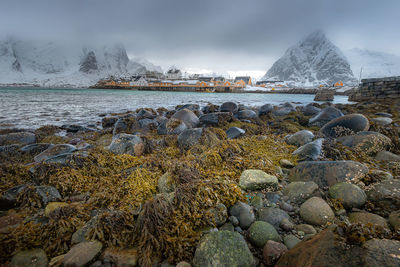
290	241
82	254
272	251
274	216
260	232
188	117
51	206
146	114
385	194
8	199
366	218
345	125
229	107
34	149
284	110
216	119
171	126
300	138
394	220
223	248
325	116
384	114
383	121
310	110
22	138
54	151
299	192
244	213
121	257
265	109
328	173
146	125
31	258
316	211
127	144
109	122
310	151
234	132
246	114
387	156
189	137
47	194
192	107
166	184
256	179
368	142
219	214
305	228
350	195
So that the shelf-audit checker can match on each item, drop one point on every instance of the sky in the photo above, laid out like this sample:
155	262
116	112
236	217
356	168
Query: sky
224	36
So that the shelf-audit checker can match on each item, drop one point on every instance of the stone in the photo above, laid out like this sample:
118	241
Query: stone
82	254
121	257
246	115
146	125
30	258
34	149
165	184
256	179
384	114
125	124
55	151
394	220
286	225
234	132
51	206
286	163
328	173
265	109
80	235
219	214
233	220
257	202
47	194
22	138
223	248
171	126
298	192
345	125
9	222
310	110
189	137
369	142
316	211
272	251
8	199
244	213
227	227
260	232
367	217
387	156
146	114
290	241
127	144
325	116
379	175
216	119
383	121
284	110
188	117
108	122
310	151
192	107
300	138
229	107
273	216
381	252
385	194
350	195
306	229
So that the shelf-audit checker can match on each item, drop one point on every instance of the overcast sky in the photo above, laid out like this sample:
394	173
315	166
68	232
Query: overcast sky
244	36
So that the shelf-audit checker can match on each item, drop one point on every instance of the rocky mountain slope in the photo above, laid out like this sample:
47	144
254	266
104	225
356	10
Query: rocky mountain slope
60	65
313	61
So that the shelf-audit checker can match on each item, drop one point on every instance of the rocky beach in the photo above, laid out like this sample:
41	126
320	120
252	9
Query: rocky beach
217	185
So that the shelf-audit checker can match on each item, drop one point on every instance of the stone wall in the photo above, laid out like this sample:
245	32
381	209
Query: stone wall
377	89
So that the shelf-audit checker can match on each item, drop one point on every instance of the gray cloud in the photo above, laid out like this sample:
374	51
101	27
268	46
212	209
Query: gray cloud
219	35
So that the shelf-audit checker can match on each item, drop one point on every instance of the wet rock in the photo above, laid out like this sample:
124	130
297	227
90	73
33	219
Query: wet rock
387	156
325	116
47	194
67	158
223	248
310	151
284	110
121	257
34	149
328	173
257	202
227	227
229	107
316	211
286	225
244	213
379	175
189	137
345	125
260	232
80	235
8	199
290	241
124	124
300	138
183	264
310	110
299	192
188	117
286	163
234	132
216	119
32	258
22	138
51	206
219	214
54	151
306	229
10	149
73	128
171	126
146	125
265	109
368	142
108	122
383	121
350	195
82	254
366	217
384	114
146	114
394	220
246	115
381	252
127	144
385	194
9	222
256	179
273	216
272	251
191	107
234	220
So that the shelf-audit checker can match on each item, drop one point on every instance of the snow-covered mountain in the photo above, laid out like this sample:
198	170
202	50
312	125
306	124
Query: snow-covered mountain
374	64
313	61
53	64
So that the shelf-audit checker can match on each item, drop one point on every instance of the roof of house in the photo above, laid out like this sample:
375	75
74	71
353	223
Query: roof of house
246	79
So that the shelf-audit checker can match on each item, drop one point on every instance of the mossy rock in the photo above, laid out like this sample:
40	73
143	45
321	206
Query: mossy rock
256	179
350	195
260	232
33	258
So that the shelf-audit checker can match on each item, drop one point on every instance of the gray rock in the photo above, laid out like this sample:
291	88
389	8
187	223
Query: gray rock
265	109
316	211
47	194
22	138
306	229
325	116
246	115
272	251
188	117
387	156
9	198
394	220
82	254
286	225
146	114
300	138
227	227
30	258
366	217
54	151
368	142
223	248
345	125
171	126
273	216
310	151
385	194
126	144
244	213
147	125
189	137
80	235
256	179
89	63
34	149
165	184
284	110
299	192
383	121
234	132
219	214
290	241
384	114
216	118
191	107
310	110
229	107
350	195
233	220
108	122
260	232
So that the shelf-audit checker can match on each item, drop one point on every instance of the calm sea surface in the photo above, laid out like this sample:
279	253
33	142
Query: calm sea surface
33	107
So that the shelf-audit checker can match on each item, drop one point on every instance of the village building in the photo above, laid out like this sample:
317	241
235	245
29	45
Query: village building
246	80
138	81
174	74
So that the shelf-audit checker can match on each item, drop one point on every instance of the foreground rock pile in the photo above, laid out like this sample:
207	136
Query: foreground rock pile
228	185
